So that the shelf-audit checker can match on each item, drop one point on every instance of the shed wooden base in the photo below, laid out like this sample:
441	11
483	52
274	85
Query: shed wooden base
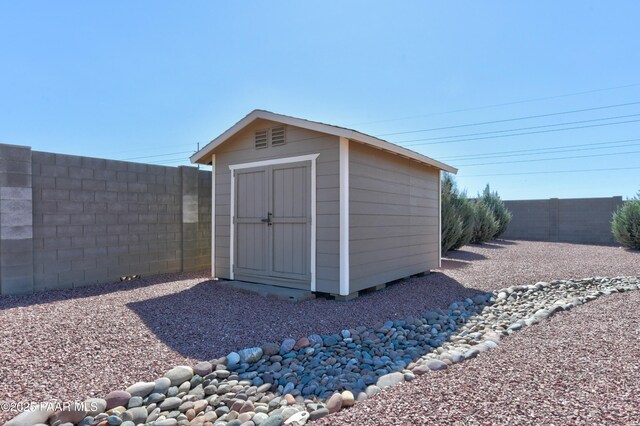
378	287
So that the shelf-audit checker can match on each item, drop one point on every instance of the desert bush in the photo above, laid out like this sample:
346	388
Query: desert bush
625	224
500	212
451	227
485	226
467	214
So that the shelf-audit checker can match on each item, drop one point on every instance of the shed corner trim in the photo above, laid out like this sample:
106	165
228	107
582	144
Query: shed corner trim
344	216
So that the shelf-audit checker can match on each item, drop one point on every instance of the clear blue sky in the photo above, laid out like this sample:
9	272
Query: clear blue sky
135	79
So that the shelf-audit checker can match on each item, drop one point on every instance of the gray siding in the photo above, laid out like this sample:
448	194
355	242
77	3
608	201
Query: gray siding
240	149
393	214
576	220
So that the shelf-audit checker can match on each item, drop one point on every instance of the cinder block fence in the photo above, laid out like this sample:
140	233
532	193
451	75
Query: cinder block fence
68	221
573	220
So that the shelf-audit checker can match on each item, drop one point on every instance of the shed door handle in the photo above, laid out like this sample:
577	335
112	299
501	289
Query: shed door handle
267	220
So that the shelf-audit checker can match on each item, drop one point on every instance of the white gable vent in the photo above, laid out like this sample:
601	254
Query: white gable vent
278	136
261	139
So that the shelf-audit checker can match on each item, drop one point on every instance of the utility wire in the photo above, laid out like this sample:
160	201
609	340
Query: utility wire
159	155
592	120
508	119
554	172
546	98
525	133
572	157
495	154
543	153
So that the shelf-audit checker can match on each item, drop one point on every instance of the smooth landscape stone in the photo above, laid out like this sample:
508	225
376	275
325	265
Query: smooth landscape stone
31	417
135	401
166	422
170	403
334	404
95	406
114	421
270	348
436	365
162	385
222	374
421	369
302	342
390	379
315	339
259	418
288	412
180	374
276	420
347	398
287	346
136	415
299	418
250	355
155	398
372	390
141	388
117	398
317	414
233	359
203	368
73	415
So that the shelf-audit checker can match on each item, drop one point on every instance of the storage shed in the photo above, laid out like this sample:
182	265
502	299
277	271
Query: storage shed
307	205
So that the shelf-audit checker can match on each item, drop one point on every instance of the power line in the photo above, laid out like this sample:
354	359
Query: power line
522	128
572	157
169	160
492	154
142	149
508	119
500	104
554	172
526	133
159	155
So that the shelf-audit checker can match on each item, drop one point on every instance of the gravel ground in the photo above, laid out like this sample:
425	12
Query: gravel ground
73	344
578	368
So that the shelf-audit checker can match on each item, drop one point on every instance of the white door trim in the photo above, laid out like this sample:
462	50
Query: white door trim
263	163
344	216
213	215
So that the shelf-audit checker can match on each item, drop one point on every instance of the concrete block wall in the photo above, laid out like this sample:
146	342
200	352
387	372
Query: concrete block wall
573	220
75	221
16	224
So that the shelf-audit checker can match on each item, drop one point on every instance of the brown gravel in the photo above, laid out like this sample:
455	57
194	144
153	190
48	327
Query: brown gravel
577	368
72	344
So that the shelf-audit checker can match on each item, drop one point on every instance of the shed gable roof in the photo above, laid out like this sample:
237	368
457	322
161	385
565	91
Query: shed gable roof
203	156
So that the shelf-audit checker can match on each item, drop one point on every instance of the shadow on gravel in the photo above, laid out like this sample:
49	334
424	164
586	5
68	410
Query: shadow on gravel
448	264
464	255
8	302
504	242
207	320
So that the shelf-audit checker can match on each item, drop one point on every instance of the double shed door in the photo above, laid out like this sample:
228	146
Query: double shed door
273	225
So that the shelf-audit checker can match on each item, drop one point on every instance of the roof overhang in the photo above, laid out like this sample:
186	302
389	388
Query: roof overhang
204	155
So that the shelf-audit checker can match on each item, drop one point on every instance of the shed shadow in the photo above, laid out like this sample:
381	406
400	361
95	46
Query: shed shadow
449	264
464	255
208	320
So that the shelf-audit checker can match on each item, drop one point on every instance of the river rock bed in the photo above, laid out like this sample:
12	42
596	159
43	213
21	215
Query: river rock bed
295	381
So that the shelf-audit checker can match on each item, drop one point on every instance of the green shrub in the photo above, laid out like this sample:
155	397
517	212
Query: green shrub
498	209
451	222
625	224
485	225
467	214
